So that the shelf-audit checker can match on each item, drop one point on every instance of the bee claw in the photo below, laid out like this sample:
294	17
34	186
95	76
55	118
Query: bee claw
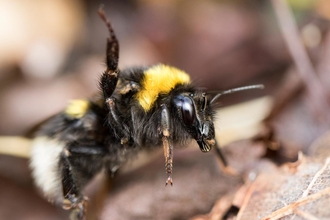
124	140
169	181
67	205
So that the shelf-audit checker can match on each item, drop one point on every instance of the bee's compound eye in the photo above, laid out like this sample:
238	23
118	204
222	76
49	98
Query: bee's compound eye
187	109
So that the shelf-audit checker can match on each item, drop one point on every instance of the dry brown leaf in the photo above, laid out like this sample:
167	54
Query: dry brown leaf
284	194
198	184
219	209
242	156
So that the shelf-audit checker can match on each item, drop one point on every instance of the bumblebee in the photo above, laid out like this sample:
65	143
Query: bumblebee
137	108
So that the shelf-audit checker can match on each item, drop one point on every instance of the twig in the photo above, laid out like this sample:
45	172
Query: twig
323	66
15	146
291	87
304	65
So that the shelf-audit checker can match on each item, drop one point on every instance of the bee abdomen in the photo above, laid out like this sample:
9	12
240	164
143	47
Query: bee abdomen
44	161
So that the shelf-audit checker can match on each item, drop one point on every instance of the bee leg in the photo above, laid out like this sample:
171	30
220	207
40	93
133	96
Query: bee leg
71	187
110	76
223	162
109	79
73	200
220	155
167	143
114	118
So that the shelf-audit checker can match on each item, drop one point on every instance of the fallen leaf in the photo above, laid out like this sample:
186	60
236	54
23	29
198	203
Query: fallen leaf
286	195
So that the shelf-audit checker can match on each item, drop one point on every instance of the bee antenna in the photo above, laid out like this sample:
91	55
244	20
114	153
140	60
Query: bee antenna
238	89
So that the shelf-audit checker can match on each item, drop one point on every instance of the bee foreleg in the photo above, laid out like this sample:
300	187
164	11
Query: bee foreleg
167	143
223	162
220	155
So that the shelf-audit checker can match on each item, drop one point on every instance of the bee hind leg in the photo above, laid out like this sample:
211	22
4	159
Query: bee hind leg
73	200
74	178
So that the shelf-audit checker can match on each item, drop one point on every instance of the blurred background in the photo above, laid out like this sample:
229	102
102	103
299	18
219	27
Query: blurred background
52	51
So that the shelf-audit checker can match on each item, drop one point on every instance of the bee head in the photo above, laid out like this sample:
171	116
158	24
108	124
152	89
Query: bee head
195	114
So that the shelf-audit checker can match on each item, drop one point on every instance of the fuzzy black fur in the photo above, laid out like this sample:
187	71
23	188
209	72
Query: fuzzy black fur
115	126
